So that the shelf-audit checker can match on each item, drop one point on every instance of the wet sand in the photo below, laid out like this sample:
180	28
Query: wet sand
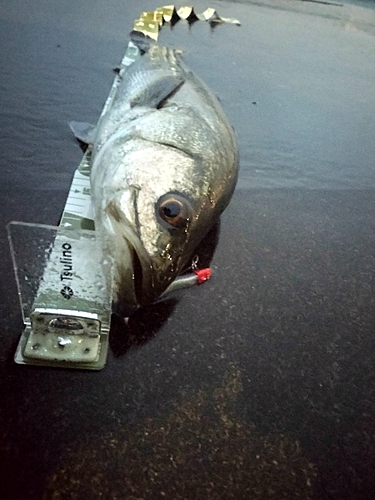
259	384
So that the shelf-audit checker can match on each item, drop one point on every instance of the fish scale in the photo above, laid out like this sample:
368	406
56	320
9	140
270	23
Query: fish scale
164	134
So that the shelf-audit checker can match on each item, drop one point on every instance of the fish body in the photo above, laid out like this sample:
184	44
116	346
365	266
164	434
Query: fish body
164	167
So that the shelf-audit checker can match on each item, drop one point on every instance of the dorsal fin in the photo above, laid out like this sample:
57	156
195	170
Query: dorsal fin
154	88
151	79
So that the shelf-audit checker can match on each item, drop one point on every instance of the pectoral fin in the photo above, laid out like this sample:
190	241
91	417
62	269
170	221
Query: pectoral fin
84	132
154	87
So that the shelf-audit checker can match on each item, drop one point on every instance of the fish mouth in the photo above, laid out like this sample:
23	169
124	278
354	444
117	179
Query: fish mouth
137	282
138	279
131	267
133	278
138	276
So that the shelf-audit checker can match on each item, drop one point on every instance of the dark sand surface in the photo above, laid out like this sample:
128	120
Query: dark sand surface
260	384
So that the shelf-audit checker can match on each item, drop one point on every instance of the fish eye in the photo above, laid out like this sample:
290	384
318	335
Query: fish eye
174	209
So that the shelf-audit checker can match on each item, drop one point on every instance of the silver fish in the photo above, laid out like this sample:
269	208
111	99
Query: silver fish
164	167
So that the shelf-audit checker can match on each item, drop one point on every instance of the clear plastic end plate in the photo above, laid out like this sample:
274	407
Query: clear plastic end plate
65	302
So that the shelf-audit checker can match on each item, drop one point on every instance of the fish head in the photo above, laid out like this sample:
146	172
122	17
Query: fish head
155	208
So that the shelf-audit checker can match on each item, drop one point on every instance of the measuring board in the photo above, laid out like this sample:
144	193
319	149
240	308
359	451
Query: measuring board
65	302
